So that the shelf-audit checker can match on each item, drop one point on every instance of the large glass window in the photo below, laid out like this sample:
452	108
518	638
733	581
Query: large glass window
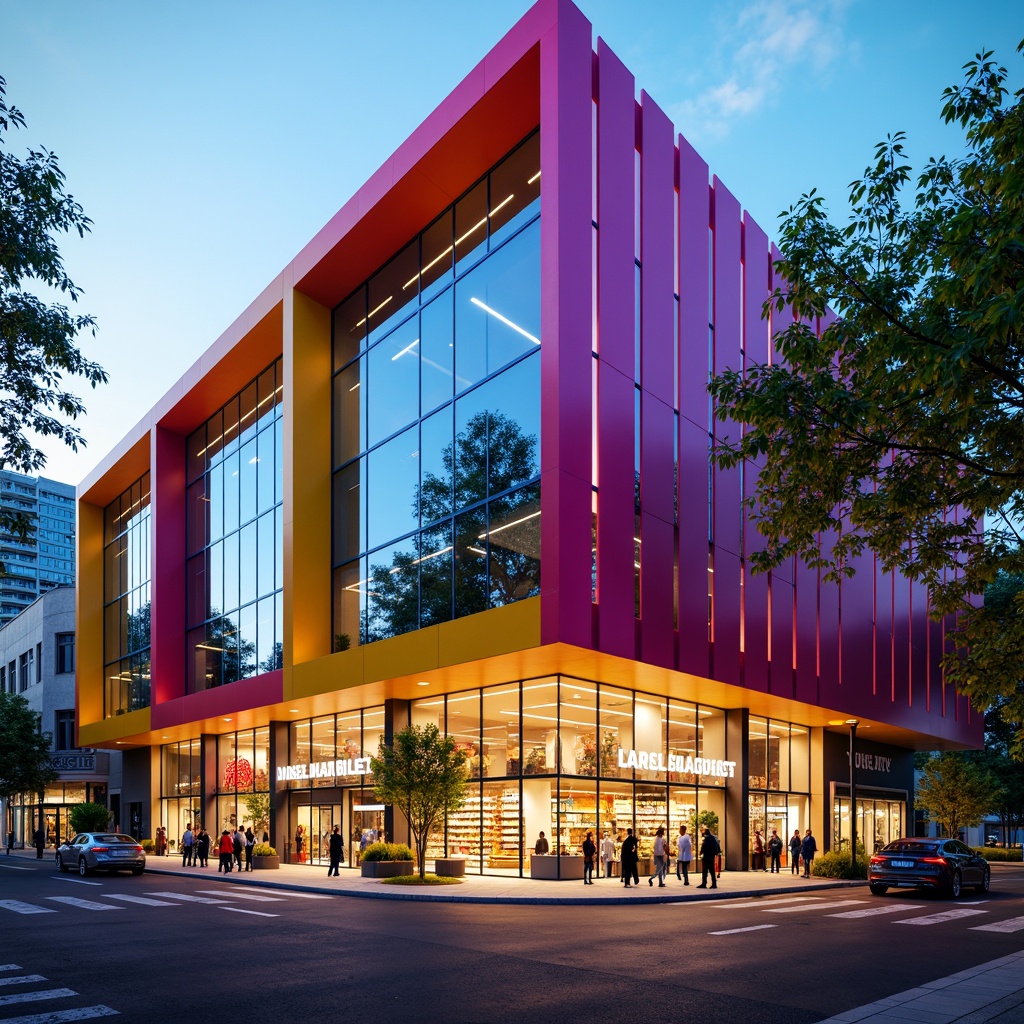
234	538
126	586
437	498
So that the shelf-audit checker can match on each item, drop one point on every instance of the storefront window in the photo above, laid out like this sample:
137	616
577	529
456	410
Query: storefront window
578	725
615	709
500	751
540	728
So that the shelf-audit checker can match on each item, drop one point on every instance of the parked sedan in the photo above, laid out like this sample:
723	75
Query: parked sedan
101	851
944	864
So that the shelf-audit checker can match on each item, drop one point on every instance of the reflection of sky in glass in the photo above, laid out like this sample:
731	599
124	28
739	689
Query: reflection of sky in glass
393	384
391	479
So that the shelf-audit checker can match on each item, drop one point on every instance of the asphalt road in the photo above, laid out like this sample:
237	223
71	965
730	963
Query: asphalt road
201	947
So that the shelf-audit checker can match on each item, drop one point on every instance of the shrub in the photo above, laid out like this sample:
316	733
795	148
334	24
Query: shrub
999	852
427	879
264	850
386	851
148	845
837	865
90	817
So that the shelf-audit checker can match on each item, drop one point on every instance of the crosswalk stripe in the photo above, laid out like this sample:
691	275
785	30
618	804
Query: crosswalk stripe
15	867
144	900
241	895
73	881
763	903
300	896
10	967
242	910
949	915
187	897
815	906
25	908
74	901
1013	924
82	1013
752	928
35	997
23	980
892	908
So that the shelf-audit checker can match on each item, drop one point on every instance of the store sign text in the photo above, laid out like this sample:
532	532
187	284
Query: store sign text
324	769
655	761
872	762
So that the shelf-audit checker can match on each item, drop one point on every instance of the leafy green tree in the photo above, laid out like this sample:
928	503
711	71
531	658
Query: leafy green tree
899	429
25	756
956	791
37	339
424	775
89	817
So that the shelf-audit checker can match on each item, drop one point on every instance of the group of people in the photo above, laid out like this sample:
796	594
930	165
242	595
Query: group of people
801	851
232	847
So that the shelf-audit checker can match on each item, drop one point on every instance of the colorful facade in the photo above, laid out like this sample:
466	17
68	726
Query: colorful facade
452	466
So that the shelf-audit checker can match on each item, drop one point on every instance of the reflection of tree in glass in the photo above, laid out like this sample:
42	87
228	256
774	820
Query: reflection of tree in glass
237	656
274	660
419	587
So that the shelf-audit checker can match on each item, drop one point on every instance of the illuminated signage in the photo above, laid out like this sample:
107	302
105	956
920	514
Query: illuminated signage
655	761
343	766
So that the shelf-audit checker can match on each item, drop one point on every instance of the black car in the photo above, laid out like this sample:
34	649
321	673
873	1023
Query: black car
945	864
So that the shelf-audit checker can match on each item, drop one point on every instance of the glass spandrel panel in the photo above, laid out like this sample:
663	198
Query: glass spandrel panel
348	511
197	519
515	190
392	478
349	328
391	291
266	395
394	382
247	413
230	439
196	455
437	246
349	413
471	227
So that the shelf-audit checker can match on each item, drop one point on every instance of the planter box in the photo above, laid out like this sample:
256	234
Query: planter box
450	867
558	867
259	861
386	868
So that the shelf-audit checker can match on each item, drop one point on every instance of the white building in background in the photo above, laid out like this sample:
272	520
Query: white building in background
37	660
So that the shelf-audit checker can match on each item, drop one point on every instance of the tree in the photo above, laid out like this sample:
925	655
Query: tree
89	817
25	758
424	775
956	791
37	340
895	424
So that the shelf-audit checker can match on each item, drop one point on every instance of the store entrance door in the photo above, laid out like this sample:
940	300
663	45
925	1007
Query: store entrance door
325	817
367	825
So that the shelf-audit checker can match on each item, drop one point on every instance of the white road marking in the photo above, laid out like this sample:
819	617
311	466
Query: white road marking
145	901
815	906
1013	924
10	967
764	903
35	997
74	901
82	1013
14	867
241	910
302	896
187	897
948	915
23	980
25	908
234	894
736	931
77	881
892	908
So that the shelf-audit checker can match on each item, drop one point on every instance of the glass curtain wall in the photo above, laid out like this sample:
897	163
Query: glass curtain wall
234	537
880	819
126	600
181	789
436	436
243	781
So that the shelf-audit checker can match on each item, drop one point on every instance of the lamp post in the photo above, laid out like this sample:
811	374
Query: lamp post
853	723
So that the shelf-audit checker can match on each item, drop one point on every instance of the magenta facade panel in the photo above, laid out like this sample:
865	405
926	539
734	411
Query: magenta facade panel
167	606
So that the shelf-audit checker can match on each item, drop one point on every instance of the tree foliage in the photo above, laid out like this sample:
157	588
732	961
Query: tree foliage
423	774
956	790
89	817
896	424
37	339
25	757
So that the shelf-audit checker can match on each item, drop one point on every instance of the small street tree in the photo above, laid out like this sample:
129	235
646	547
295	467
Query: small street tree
956	791
90	817
25	757
423	774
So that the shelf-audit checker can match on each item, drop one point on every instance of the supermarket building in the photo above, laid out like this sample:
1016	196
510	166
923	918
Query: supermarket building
451	466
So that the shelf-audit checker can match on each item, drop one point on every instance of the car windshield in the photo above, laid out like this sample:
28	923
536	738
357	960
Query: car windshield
911	846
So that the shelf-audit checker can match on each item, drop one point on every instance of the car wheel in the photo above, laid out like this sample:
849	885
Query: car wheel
137	871
986	881
956	885
877	889
83	868
61	866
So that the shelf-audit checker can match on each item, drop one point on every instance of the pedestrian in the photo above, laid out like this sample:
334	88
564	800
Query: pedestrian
589	856
683	856
759	864
225	848
187	843
794	852
607	853
660	858
10	841
709	850
161	841
202	845
775	851
336	845
541	846
39	839
630	859
238	845
250	842
808	848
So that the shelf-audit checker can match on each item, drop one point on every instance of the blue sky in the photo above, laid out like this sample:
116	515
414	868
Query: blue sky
210	141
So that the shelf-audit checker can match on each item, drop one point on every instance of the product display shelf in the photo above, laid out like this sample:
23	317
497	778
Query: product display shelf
506	841
464	828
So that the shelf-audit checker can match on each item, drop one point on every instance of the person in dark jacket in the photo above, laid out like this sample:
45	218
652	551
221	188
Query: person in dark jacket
709	850
630	859
775	845
589	855
250	843
808	848
794	852
336	846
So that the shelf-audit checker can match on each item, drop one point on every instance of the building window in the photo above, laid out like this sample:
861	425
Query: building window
39	663
26	669
64	730
126	580
235	537
65	653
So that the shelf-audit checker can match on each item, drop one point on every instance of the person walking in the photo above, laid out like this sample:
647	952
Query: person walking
225	848
39	839
336	846
808	848
188	841
775	851
683	856
709	850
202	845
795	843
630	859
250	842
759	864
607	853
589	855
238	845
660	859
